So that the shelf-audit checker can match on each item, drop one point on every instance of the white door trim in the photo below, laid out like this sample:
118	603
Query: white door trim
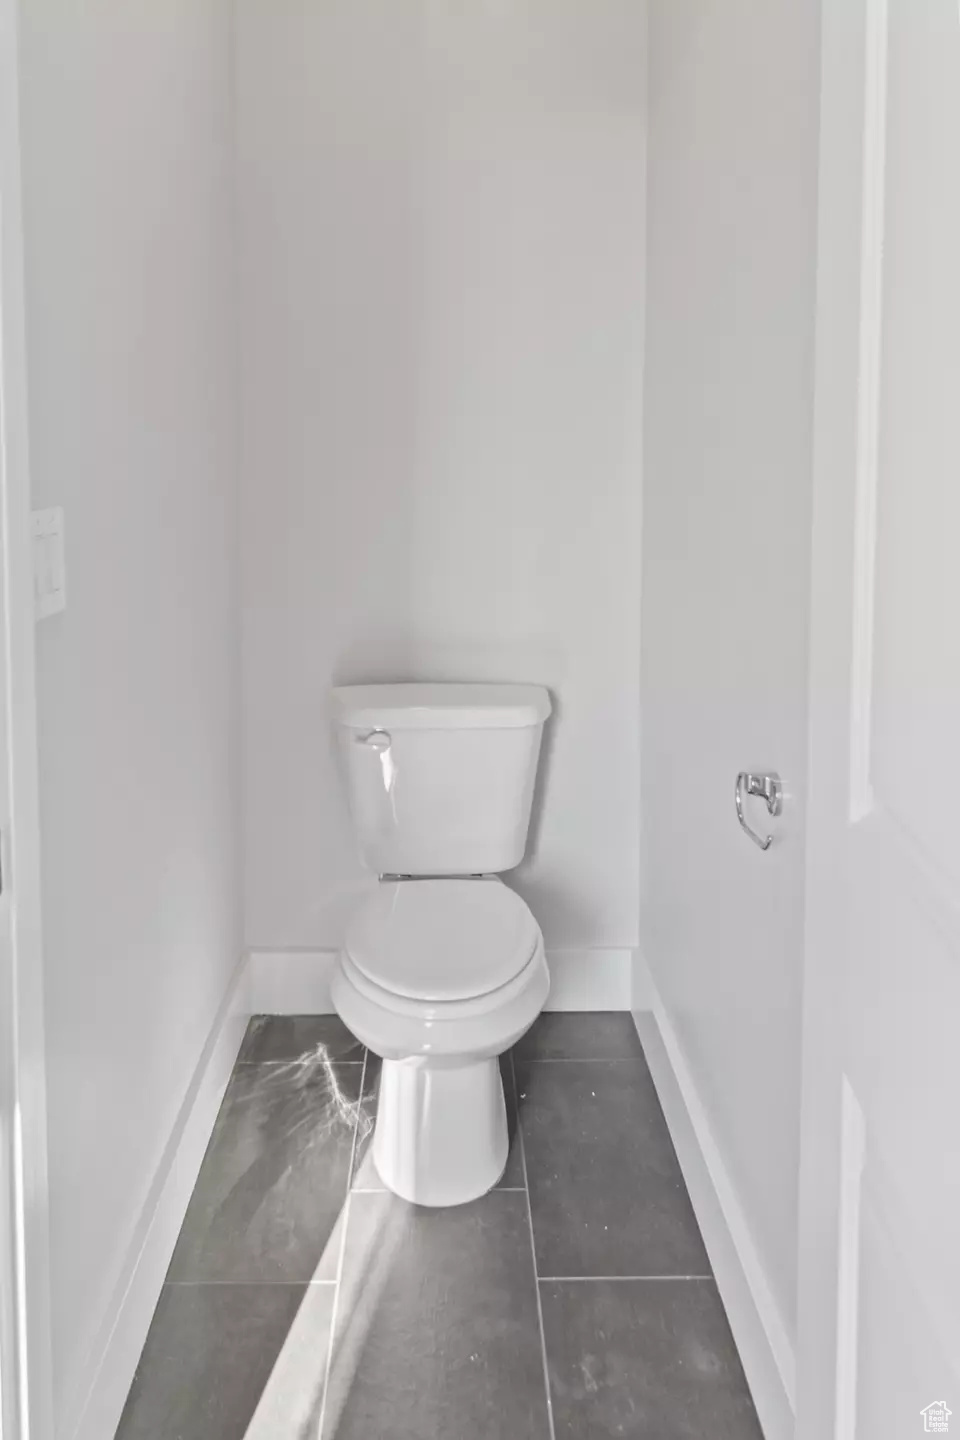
868	401
25	1360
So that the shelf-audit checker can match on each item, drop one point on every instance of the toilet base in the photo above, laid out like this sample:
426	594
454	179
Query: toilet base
441	1130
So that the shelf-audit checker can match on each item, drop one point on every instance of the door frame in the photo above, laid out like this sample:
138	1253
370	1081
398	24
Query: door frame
845	416
26	1372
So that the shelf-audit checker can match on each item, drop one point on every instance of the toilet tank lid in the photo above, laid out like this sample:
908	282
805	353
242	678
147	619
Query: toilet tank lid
440	707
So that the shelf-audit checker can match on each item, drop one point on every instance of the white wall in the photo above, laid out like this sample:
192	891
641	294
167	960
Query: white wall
732	202
442	271
127	160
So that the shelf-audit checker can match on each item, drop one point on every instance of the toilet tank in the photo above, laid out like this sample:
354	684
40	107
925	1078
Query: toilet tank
440	777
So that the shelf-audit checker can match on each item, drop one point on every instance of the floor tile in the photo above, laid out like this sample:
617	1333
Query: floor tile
298	1037
581	1035
232	1362
437	1333
275	1176
606	1192
649	1359
365	1173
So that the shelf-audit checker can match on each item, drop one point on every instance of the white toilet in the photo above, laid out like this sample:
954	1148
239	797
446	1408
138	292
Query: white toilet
443	968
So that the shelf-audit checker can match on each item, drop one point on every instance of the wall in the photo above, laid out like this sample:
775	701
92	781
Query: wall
731	247
126	164
442	271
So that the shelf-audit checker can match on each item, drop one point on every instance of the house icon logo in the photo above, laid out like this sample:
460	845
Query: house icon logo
936	1418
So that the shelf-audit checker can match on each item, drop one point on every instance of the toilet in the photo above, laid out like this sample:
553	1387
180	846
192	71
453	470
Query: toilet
442	968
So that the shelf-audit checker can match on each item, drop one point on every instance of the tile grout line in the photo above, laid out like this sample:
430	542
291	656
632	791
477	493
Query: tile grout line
382	1190
343	1247
295	1060
533	1255
252	1284
612	1279
581	1059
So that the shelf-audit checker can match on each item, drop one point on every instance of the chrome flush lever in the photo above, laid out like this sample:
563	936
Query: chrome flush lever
378	740
770	789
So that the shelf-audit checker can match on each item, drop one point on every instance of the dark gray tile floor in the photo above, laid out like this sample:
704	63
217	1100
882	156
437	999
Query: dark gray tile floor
606	1191
575	1300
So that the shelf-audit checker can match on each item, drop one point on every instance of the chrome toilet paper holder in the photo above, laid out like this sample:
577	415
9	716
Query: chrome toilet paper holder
767	787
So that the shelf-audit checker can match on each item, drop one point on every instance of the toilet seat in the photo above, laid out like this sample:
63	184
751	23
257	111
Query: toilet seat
439	943
435	1012
470	949
394	1027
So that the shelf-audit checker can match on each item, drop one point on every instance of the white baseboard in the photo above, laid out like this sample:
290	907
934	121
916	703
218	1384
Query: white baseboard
297	982
589	979
121	1336
641	984
290	982
758	1326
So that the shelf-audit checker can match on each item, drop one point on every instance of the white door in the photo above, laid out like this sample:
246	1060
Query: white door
879	1311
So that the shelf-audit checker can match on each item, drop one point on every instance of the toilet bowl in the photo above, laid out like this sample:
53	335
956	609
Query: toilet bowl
439	977
442	968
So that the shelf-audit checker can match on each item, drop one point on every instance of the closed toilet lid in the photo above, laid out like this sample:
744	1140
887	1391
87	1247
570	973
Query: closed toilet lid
442	940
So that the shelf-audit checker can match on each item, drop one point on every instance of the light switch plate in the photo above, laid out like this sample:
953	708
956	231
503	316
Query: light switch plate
49	571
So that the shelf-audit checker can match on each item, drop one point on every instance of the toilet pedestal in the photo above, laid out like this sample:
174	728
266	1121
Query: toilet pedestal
441	1130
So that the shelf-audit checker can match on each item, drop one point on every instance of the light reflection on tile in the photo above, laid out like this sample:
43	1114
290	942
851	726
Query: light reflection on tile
232	1362
275	1176
272	1038
437	1331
